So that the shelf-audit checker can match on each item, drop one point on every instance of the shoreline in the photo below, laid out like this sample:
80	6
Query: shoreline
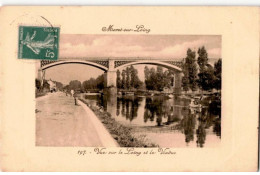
122	134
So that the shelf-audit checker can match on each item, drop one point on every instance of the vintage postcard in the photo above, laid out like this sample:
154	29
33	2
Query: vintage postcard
147	88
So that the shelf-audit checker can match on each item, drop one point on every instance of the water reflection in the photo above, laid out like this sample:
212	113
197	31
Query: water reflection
188	126
129	107
201	134
170	114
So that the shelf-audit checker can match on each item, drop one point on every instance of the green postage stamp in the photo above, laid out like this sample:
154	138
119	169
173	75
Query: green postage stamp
37	42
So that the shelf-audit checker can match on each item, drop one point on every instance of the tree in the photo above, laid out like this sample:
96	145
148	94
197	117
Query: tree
46	85
66	88
153	79
146	73
206	74
59	85
127	78
135	82
206	78
133	74
93	84
159	78
210	76
190	70
75	85
123	79
203	57
118	79
185	82
168	78
147	77
217	73
37	84
100	81
185	79
89	84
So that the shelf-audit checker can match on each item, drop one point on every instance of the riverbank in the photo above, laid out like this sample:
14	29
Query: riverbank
122	134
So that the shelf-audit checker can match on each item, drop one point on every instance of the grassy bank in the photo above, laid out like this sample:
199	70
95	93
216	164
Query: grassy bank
122	134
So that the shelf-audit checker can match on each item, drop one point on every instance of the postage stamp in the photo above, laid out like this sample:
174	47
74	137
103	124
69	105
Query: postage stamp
38	42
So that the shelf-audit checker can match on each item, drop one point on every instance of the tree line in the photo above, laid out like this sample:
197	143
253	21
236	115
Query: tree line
199	73
157	79
128	79
91	84
94	83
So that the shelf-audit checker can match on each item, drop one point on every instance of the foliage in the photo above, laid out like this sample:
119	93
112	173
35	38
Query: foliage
46	85
185	82
101	81
206	78
123	85
75	85
150	82
66	88
59	85
129	80
94	83
203	57
38	84
135	82
168	78
206	74
118	79
190	71
158	79
89	84
217	73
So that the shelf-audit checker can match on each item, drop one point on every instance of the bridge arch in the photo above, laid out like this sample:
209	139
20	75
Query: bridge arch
74	62
152	62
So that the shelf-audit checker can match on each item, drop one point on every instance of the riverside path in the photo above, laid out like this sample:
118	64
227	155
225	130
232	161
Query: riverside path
59	122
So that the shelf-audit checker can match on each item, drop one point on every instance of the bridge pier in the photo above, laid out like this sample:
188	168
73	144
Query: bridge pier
110	79
177	82
40	76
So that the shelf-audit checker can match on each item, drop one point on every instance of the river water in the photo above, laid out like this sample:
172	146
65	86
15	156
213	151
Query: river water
168	122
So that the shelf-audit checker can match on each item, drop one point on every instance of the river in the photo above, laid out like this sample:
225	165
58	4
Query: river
168	122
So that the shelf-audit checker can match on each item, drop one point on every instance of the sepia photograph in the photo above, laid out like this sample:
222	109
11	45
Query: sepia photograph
130	91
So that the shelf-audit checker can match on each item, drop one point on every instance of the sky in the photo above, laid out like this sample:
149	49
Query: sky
157	46
154	46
